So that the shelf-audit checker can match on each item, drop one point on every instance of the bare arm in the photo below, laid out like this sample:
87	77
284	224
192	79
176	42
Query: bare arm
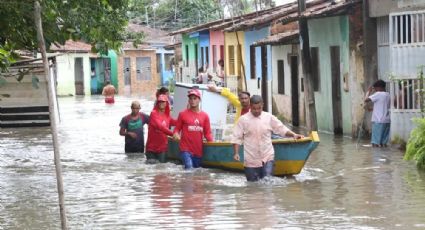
236	152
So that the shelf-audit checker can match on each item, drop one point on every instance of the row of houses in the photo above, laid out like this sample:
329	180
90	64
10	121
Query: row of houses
136	70
351	46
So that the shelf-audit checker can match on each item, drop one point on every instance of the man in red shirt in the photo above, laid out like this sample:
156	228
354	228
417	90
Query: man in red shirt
244	97
191	127
159	128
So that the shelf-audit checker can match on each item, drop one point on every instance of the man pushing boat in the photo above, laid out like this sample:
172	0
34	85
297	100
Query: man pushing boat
254	131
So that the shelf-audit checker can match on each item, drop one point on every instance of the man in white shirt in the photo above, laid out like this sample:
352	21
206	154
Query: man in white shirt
381	113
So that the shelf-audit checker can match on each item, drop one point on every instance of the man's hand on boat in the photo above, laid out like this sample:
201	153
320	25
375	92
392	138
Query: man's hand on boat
176	136
236	157
213	88
294	135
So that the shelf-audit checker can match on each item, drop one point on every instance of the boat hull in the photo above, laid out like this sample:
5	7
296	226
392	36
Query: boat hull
290	154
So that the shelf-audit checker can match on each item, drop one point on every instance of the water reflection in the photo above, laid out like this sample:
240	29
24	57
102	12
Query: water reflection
343	185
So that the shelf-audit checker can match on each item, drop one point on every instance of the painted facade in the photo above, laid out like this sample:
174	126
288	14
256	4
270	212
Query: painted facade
137	74
165	67
190	48
287	98
73	74
339	93
204	49
216	48
255	82
102	69
234	55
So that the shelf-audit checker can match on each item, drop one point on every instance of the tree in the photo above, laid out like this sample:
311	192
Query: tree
174	14
98	22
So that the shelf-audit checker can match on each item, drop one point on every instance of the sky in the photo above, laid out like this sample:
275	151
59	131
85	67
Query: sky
281	2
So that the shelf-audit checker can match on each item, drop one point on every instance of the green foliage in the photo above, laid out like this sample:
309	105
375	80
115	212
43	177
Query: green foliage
416	144
172	14
7	57
98	22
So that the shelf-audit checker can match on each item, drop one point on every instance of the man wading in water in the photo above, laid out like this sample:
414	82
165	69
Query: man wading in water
254	131
131	126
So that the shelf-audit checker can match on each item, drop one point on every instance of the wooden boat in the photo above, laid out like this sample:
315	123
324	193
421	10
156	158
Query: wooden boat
290	154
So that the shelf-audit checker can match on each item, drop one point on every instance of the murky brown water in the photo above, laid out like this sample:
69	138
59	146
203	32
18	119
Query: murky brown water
341	187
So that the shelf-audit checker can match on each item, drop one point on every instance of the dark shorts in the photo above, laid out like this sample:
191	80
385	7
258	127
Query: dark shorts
189	161
161	157
255	174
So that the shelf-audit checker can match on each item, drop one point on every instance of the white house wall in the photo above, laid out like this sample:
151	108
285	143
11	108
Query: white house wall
66	74
283	102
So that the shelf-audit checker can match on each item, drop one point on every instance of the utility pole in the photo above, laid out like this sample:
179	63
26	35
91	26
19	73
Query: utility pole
175	12
50	85
369	47
310	107
146	14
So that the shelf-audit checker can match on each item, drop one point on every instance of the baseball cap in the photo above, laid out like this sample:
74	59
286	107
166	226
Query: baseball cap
162	97
194	92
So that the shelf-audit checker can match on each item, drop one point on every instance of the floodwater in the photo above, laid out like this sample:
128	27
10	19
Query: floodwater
343	185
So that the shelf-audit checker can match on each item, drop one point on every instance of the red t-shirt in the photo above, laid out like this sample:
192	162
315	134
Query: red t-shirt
193	127
159	129
244	110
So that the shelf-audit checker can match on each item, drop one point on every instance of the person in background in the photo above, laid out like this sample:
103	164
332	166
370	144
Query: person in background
232	98
159	128
109	93
131	126
191	127
220	71
381	113
244	98
253	130
164	90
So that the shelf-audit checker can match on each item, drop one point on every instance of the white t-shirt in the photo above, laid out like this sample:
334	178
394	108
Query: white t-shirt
381	107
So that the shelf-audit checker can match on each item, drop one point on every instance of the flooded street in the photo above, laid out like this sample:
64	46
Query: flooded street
341	186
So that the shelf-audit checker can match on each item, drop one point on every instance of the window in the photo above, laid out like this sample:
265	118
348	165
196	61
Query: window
168	62
252	61
207	56
143	69
315	70
214	57
187	55
408	28
280	77
202	57
239	56
231	51
158	63
222	52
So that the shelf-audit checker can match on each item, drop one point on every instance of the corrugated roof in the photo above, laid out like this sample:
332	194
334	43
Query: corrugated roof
223	23
72	46
325	9
266	19
289	37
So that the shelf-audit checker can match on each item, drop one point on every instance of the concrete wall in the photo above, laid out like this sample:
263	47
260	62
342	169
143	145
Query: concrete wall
24	93
378	8
66	73
138	87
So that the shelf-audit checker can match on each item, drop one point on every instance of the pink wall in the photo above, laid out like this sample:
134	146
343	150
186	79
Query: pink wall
217	40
